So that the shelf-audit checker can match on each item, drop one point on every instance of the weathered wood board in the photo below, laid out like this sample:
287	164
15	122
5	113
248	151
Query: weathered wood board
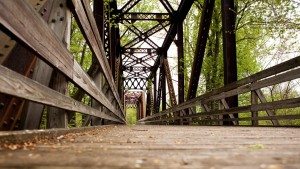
161	147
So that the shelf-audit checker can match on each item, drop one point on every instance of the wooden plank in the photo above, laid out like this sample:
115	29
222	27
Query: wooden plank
38	36
32	112
283	104
17	85
60	23
94	120
254	114
6	43
88	25
227	107
163	147
290	75
264	100
86	83
284	77
34	32
279	117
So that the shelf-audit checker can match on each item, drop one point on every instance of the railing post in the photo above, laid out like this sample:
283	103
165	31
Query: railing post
254	114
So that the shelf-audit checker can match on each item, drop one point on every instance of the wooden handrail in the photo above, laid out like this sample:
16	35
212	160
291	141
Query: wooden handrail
283	72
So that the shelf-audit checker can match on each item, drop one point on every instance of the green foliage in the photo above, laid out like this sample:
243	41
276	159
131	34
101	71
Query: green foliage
76	121
79	47
131	116
43	124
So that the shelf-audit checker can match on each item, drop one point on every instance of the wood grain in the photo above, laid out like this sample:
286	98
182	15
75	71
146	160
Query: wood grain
34	32
224	92
87	23
17	85
161	147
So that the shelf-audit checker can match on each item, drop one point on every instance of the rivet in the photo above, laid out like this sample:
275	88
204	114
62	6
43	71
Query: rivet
12	118
14	104
53	20
2	104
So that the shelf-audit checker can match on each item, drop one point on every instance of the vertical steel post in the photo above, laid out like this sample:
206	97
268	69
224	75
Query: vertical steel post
229	50
163	82
99	17
154	91
113	50
148	104
180	63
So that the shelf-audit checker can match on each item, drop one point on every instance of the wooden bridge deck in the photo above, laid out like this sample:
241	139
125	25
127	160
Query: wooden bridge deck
160	147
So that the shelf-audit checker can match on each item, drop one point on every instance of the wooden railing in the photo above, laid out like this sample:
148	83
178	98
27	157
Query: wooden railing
252	85
19	20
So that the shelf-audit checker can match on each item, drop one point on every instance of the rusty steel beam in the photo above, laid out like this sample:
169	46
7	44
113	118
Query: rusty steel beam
205	22
149	98
180	66
147	34
99	17
159	90
229	51
154	91
141	36
163	88
129	5
170	83
107	26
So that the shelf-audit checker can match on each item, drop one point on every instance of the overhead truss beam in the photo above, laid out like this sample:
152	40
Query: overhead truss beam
205	22
180	15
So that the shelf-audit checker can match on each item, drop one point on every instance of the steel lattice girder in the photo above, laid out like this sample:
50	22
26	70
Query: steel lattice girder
135	83
147	34
139	50
135	65
129	5
134	16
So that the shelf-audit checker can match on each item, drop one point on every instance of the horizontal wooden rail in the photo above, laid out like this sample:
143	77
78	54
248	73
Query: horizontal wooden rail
30	29
88	26
290	103
20	86
280	73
